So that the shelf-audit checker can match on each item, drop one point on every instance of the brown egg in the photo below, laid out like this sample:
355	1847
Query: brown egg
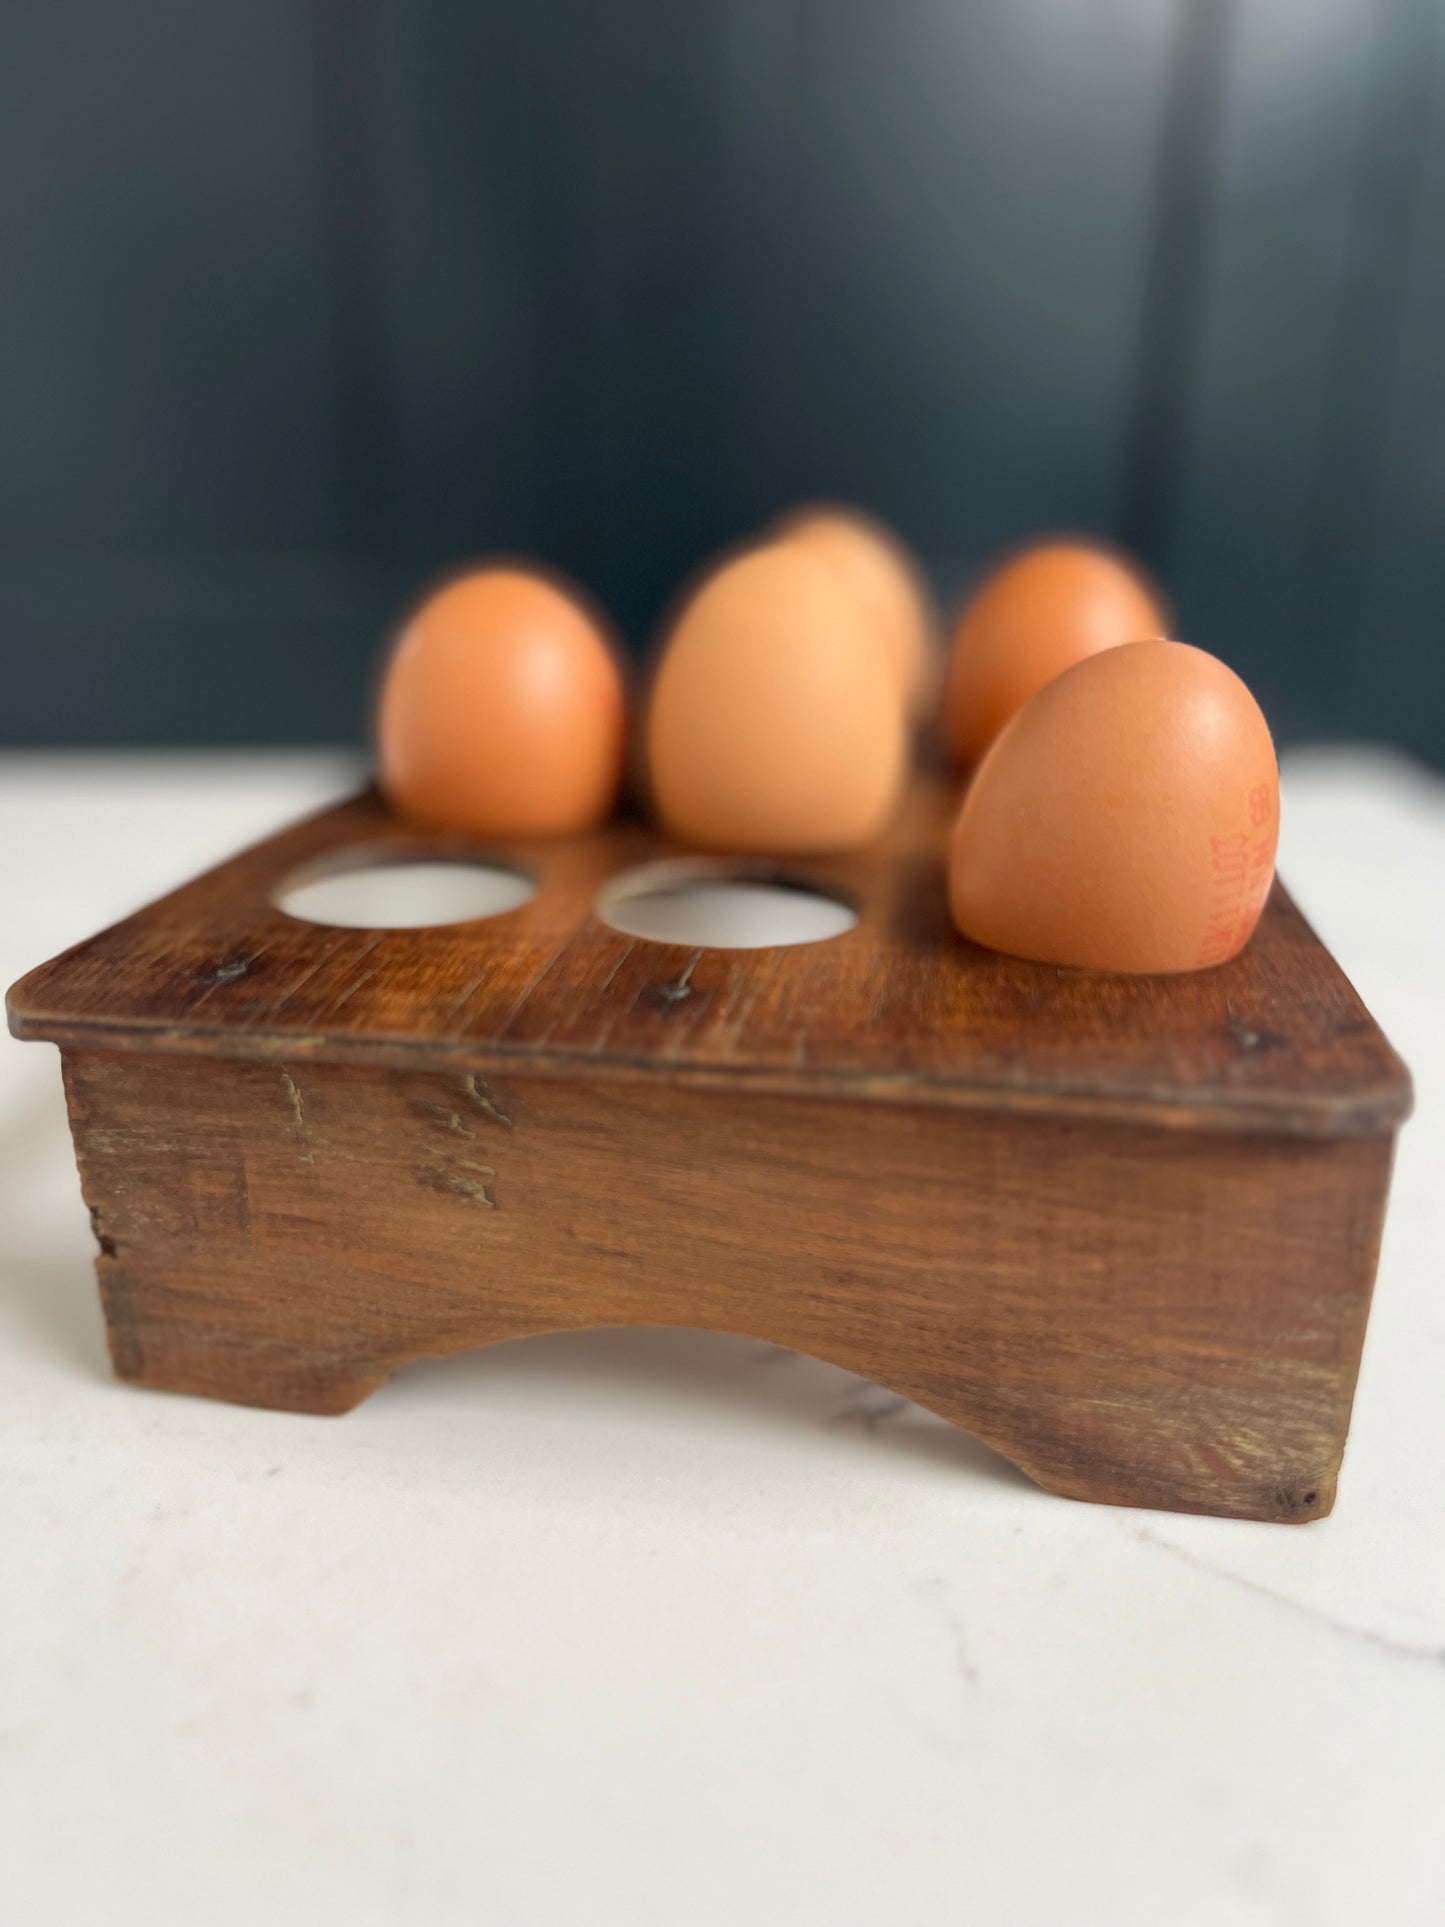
888	582
502	710
1126	818
1034	617
776	724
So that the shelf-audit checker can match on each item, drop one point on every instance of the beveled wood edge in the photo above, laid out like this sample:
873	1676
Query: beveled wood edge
1370	1112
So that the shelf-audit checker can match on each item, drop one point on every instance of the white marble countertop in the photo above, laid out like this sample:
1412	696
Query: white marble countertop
665	1628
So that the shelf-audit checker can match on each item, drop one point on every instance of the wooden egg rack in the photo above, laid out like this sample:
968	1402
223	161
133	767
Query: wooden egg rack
1124	1230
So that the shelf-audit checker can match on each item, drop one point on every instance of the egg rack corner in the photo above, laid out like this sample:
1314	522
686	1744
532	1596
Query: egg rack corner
1123	1230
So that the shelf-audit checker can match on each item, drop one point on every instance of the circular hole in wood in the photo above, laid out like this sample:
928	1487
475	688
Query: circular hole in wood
722	905
364	891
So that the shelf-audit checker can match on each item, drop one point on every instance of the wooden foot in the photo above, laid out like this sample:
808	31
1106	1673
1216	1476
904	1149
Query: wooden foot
162	1336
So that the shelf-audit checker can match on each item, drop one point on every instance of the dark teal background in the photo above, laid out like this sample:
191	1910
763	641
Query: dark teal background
301	299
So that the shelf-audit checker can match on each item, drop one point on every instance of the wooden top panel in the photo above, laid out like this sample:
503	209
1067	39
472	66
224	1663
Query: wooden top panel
899	1008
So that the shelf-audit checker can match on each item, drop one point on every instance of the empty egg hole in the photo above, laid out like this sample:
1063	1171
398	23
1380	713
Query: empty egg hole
722	905
372	890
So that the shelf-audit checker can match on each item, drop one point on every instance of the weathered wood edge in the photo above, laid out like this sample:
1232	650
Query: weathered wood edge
1366	1113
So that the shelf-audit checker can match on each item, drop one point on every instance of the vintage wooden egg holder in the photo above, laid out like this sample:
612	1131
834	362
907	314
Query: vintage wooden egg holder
1124	1230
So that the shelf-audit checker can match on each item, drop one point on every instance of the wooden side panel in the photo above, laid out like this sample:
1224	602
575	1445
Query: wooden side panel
1135	1316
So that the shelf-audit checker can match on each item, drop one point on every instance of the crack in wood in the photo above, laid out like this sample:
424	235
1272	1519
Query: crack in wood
452	1182
327	956
297	1106
480	1093
351	990
516	1010
608	980
454	1010
102	1238
449	1120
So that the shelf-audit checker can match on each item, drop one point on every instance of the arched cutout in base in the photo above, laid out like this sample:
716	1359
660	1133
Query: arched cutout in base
681	1386
291	1235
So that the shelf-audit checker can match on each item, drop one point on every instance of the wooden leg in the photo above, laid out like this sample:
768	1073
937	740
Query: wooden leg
1289	1495
160	1336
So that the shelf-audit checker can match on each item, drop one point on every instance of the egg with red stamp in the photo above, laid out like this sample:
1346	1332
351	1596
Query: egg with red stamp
1125	820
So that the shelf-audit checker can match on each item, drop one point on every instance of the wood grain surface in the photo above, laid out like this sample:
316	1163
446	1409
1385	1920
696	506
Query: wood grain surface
1129	1314
1123	1229
899	1008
